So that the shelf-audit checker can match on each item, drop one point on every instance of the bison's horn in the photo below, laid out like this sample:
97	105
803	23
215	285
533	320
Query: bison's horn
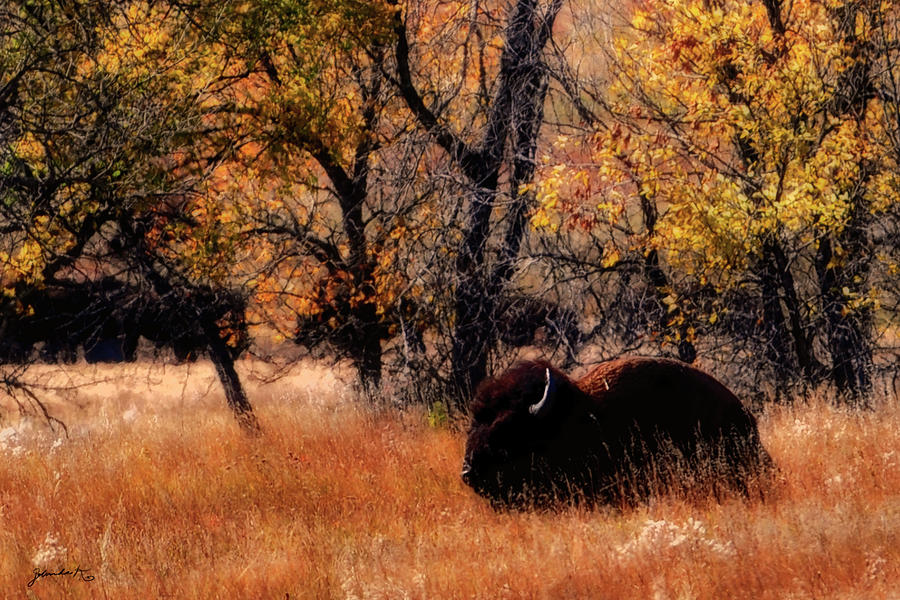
540	408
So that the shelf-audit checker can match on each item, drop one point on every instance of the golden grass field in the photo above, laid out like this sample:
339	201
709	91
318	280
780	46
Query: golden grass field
157	494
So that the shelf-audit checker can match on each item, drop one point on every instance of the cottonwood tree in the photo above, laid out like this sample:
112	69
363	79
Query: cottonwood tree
323	184
752	139
349	195
100	177
482	102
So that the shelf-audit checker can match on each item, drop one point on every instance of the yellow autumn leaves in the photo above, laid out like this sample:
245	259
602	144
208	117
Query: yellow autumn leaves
731	125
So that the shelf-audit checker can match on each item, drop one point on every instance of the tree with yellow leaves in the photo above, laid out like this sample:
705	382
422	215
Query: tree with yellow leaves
101	108
753	140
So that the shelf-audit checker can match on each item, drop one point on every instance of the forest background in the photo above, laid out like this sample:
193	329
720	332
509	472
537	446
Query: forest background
424	188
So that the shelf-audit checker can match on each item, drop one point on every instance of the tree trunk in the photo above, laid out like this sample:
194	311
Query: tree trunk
516	105
473	334
846	327
222	359
788	345
810	368
368	333
774	329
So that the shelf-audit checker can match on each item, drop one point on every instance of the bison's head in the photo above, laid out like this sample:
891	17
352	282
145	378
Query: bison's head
522	445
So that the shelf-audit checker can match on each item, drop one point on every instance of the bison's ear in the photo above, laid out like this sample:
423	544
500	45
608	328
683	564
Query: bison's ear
542	407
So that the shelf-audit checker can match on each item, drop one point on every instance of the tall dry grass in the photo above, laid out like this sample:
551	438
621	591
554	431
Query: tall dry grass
158	494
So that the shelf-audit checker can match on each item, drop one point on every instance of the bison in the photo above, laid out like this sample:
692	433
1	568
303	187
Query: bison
629	428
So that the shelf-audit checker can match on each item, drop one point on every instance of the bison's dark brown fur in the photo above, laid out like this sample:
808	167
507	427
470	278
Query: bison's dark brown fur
629	428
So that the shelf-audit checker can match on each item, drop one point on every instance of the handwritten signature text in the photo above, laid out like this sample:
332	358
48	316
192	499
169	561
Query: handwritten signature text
83	574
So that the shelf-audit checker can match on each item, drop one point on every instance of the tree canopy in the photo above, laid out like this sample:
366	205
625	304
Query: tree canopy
422	187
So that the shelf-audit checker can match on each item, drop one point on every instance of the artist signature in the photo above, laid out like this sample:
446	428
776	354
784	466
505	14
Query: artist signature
83	574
